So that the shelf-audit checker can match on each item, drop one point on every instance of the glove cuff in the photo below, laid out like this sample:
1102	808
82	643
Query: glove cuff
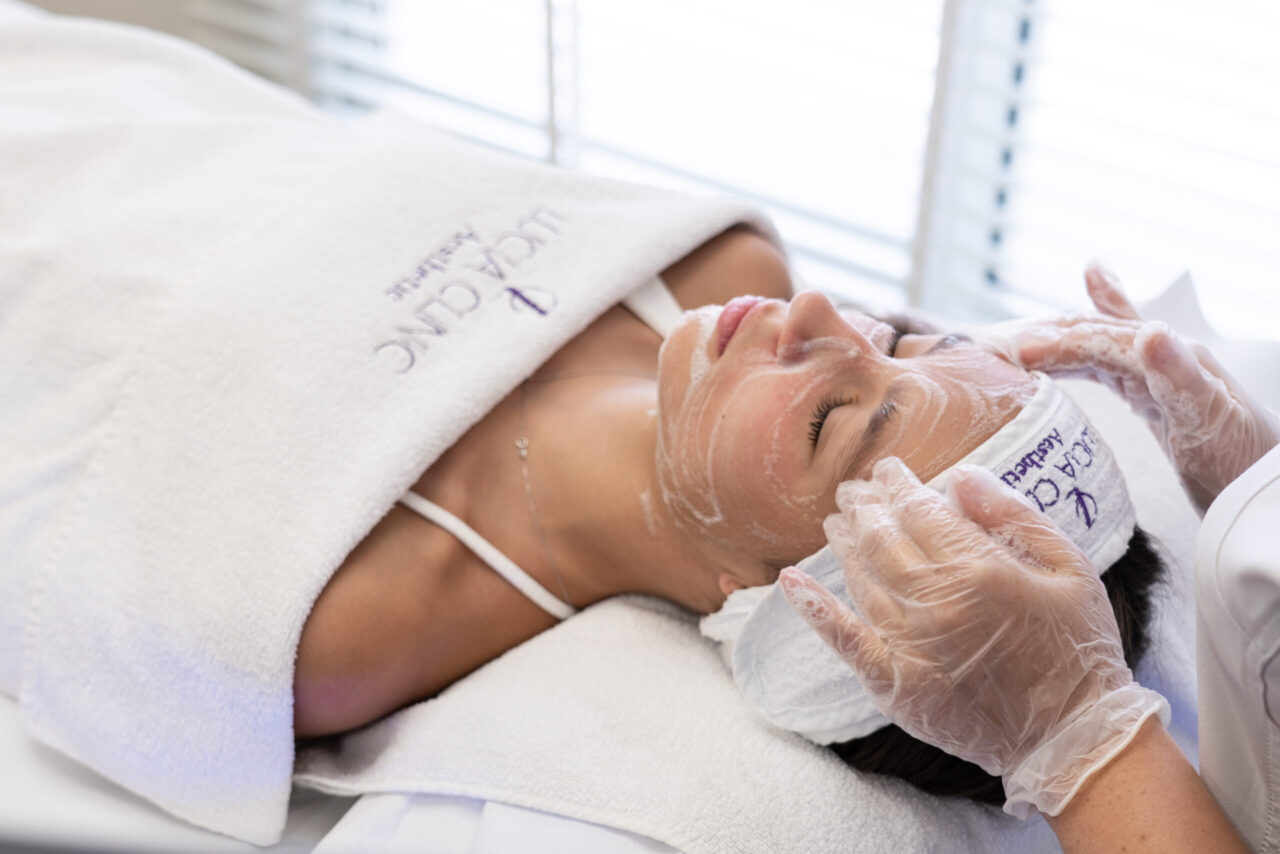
1051	775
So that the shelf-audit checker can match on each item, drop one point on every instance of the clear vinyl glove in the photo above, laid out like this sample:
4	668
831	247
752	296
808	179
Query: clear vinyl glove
1210	428
983	631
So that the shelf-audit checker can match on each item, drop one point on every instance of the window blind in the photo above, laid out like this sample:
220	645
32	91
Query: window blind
820	114
968	156
268	37
476	69
1144	134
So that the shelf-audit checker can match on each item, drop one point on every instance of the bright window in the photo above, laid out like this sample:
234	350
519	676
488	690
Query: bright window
969	156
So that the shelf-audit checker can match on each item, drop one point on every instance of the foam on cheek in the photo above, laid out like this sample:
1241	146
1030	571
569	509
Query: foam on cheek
684	461
699	361
650	518
791	416
695	442
788	421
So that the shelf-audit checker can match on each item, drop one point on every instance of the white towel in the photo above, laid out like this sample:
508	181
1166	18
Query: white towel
625	716
232	331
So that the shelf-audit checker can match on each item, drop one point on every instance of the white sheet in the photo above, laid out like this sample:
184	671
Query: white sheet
440	824
47	799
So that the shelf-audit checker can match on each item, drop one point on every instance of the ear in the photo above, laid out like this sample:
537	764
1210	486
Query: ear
729	583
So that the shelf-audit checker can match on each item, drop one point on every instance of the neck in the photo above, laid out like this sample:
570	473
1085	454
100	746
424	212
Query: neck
604	517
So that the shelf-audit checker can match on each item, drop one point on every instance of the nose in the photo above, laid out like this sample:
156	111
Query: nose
812	317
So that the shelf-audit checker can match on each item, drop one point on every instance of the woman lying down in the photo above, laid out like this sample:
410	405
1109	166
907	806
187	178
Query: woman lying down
695	468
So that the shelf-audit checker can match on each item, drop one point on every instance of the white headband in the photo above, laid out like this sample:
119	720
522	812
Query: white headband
1049	452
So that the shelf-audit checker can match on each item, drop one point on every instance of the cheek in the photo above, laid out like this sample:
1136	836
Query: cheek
682	358
770	504
731	464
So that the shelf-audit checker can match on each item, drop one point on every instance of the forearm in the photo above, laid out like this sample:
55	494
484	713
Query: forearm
1148	798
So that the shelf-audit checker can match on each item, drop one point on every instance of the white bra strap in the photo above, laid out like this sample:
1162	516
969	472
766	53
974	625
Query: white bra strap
501	564
654	303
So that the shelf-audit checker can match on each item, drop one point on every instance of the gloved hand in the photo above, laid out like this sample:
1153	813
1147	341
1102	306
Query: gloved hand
985	631
1209	427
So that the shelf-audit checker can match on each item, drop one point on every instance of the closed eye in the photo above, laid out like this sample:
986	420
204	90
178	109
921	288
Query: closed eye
829	404
820	417
898	332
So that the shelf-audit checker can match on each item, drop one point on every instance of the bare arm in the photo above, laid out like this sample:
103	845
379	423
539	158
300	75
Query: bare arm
1148	798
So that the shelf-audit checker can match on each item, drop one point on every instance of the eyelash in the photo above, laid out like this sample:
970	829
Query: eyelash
828	404
820	416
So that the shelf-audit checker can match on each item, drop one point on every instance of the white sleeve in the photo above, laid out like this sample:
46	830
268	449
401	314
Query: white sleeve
1238	652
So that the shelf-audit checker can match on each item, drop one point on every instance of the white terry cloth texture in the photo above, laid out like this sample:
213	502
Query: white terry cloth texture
233	331
49	803
628	718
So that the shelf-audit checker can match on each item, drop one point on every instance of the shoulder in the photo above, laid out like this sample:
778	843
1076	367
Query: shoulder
733	263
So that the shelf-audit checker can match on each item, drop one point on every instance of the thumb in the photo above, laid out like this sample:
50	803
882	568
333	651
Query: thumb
1175	377
843	631
1104	291
1012	521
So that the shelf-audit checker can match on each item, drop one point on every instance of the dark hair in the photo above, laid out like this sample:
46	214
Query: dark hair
891	751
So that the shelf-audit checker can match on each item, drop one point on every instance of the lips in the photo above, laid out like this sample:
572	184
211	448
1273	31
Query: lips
731	318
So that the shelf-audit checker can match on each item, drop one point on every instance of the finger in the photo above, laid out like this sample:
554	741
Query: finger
899	484
902	569
1101	348
851	638
843	541
893	474
1007	338
884	549
852	493
1176	378
1106	294
863	587
940	534
1024	531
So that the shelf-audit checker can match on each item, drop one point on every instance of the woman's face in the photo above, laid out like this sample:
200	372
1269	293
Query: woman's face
764	407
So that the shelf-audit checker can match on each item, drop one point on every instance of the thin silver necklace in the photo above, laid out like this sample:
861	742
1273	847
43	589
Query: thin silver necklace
522	451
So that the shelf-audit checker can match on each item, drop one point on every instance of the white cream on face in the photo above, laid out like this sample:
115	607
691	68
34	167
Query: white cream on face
734	464
698	498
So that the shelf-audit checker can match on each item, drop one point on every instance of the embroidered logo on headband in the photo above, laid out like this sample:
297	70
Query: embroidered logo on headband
1051	454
